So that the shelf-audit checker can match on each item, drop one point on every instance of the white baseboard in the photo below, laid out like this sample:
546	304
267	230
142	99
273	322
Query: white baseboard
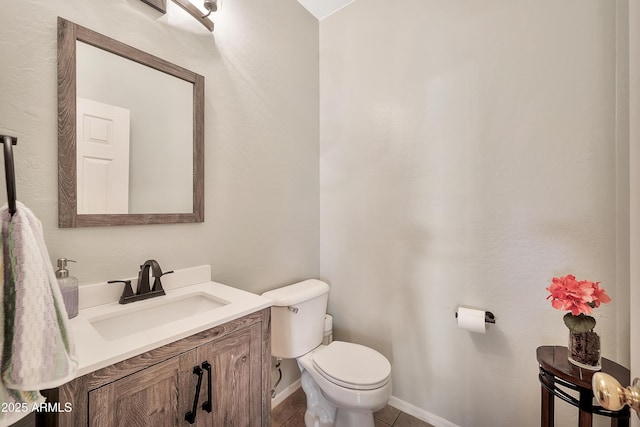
401	405
288	391
419	413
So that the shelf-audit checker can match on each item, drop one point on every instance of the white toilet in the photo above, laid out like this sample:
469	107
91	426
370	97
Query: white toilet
344	382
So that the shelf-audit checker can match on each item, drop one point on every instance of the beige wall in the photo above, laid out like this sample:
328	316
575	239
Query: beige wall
467	156
261	136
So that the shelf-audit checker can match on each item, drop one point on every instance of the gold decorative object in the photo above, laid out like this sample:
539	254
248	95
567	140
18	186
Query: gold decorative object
610	394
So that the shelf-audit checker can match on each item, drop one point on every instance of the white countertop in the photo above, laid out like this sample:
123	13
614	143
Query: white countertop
95	351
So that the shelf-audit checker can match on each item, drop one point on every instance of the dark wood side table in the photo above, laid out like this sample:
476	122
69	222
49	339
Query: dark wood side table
556	371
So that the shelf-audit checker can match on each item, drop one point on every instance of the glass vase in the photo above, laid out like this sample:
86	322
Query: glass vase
584	350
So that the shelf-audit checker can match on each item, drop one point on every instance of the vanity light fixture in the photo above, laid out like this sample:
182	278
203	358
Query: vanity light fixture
210	5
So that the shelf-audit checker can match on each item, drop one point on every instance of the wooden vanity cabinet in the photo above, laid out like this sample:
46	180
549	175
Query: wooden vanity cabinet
158	388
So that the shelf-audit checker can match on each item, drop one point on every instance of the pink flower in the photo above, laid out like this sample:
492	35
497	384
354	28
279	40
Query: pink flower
567	293
600	295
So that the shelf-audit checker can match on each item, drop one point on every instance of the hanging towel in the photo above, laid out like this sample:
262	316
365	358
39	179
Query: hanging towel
37	350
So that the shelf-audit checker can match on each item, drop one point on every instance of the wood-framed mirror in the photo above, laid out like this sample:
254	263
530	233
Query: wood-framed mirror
130	134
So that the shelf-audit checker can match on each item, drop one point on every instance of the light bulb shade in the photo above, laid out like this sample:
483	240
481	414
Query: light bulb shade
211	5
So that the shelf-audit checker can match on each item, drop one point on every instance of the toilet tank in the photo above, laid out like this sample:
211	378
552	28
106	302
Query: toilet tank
297	317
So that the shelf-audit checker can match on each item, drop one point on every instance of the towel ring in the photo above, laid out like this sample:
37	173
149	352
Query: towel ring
9	171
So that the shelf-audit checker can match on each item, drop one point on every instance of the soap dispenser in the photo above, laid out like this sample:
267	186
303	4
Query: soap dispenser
68	287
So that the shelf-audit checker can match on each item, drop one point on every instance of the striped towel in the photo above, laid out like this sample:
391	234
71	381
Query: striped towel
37	351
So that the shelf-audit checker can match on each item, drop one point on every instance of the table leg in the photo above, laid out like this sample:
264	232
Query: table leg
547	418
585	419
619	422
586	408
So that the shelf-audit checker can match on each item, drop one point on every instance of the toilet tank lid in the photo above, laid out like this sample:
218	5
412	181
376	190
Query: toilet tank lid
297	292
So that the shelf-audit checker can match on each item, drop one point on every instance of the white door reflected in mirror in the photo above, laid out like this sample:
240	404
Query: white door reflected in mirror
102	157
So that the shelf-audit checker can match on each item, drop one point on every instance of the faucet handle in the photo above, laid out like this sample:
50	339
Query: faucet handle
157	285
127	292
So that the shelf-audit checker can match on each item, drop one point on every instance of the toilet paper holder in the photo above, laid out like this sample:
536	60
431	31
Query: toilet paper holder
488	317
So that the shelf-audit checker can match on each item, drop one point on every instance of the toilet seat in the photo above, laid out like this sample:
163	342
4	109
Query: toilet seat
352	366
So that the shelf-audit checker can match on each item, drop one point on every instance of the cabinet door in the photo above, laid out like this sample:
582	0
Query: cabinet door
236	380
146	398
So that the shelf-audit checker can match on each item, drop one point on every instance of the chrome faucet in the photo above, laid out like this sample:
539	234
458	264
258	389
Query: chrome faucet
144	290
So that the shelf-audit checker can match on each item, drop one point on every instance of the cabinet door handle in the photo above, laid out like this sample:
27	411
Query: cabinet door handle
191	415
207	406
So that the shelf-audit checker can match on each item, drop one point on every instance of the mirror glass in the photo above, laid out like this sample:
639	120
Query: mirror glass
153	175
130	134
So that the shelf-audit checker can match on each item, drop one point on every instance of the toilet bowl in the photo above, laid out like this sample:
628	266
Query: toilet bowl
343	382
353	378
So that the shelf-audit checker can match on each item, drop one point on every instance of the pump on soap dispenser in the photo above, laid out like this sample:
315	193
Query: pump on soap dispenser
68	287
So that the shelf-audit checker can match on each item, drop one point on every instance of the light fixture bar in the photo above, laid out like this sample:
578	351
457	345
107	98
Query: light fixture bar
195	12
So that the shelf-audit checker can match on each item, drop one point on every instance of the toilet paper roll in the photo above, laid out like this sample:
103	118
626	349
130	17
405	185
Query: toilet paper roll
472	320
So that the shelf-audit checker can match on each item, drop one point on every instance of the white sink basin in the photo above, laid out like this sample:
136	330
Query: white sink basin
152	313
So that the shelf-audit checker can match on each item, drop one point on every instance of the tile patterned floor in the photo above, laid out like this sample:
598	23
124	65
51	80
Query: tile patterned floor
290	413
